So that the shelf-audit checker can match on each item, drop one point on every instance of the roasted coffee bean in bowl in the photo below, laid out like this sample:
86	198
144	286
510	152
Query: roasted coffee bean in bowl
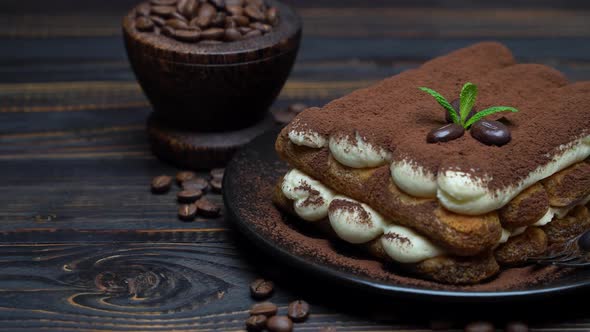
211	64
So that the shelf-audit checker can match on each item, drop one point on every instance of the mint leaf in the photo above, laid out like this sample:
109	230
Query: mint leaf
488	111
468	96
444	103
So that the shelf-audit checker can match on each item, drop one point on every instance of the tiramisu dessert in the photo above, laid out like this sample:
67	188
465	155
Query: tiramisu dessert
453	170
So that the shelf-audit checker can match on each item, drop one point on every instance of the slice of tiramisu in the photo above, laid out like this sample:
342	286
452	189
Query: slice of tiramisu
468	161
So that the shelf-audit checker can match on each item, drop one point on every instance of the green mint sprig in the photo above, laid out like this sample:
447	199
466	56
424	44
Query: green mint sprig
467	101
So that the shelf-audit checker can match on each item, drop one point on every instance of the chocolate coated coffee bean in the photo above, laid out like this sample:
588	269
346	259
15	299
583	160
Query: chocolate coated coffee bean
279	324
265	308
232	34
261	289
480	327
516	327
445	133
298	311
253	33
177	24
161	184
256	323
272	15
491	132
213	33
196	183
189	196
164	11
584	242
144	24
218	3
254	13
158	20
143	10
207	209
187	212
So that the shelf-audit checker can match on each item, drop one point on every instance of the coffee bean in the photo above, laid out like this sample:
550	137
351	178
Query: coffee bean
256	323
177	24
457	106
219	20
297	108
241	20
445	133
179	16
163	2
230	23
279	324
239	3
168	31
184	176
196	184
265	308
217	173
265	28
207	209
244	30
187	212
328	329
253	33
254	13
144	24
213	33
164	11
491	132
158	20
584	242
189	36
143	10
298	311
205	15
161	184
188	8
272	16
189	196
516	327
235	10
261	289
218	3
232	34
480	327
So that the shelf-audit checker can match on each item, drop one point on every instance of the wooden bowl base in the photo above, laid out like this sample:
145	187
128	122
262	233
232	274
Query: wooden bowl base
200	150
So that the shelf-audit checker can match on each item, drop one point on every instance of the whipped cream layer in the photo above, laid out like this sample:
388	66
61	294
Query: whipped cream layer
458	191
353	221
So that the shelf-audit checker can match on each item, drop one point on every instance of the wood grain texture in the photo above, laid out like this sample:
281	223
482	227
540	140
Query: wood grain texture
84	245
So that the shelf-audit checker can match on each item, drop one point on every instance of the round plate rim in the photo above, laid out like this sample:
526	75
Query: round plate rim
365	283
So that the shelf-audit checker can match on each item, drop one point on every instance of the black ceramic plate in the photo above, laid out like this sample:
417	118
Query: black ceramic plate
256	167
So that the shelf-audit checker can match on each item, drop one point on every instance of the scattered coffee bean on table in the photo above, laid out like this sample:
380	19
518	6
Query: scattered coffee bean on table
279	324
184	176
480	327
516	327
298	311
207	209
216	185
267	309
196	184
189	195
192	21
297	108
261	289
256	323
161	184
187	212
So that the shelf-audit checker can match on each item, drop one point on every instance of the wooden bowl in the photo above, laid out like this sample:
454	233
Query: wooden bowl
213	87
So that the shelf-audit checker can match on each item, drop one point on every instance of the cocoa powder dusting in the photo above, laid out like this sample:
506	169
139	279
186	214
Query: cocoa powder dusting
395	115
397	237
256	207
351	207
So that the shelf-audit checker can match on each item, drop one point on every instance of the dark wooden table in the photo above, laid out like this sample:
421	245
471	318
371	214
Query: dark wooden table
84	246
